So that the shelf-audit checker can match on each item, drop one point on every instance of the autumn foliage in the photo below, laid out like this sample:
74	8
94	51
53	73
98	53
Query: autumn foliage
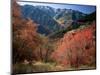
77	48
25	37
27	43
35	52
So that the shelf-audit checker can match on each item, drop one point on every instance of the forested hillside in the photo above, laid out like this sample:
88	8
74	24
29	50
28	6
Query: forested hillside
45	39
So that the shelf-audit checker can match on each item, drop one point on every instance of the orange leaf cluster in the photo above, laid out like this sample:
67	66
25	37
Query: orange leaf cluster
77	48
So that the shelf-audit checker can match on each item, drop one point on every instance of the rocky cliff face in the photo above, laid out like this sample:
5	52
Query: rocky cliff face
50	19
43	17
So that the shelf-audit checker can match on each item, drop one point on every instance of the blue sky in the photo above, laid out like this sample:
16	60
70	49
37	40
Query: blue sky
83	8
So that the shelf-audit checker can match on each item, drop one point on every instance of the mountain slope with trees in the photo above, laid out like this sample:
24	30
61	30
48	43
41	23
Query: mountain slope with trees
45	39
49	19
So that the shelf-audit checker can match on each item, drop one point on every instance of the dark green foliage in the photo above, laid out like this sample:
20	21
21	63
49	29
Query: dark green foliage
91	17
60	33
75	26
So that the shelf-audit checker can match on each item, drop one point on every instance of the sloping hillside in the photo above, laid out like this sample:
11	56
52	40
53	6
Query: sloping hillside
38	44
42	16
49	19
77	48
